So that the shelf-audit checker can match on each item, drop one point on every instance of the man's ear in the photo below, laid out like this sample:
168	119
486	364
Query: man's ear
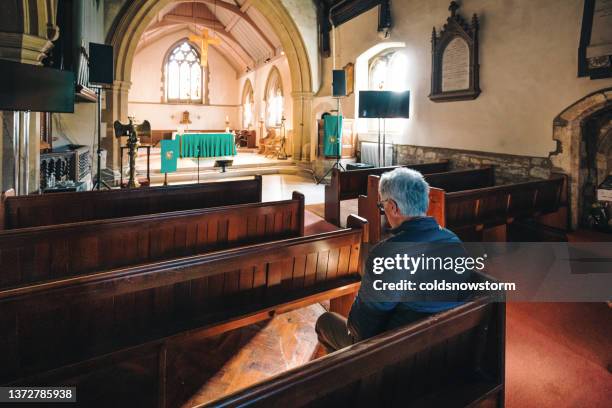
394	208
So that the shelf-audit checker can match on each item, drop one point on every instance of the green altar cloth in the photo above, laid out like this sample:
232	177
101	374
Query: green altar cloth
207	144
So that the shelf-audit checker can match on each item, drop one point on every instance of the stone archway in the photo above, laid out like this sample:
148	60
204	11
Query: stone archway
568	132
134	19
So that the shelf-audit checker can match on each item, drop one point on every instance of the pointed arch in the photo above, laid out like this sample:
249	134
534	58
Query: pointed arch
169	82
274	98
137	15
274	80
248	105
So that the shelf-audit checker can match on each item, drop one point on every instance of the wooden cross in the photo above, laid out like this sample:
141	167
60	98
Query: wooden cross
204	42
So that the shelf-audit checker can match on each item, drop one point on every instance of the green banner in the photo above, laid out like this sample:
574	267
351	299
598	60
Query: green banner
169	155
332	128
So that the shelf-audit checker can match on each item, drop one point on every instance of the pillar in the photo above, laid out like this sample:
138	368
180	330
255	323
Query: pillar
302	126
115	107
28	28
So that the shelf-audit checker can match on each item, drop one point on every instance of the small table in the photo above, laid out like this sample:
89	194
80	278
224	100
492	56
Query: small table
142	146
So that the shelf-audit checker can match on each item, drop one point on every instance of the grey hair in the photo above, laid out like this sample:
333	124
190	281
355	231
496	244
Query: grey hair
408	189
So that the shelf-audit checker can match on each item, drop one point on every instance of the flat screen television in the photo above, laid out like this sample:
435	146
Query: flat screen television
25	87
384	104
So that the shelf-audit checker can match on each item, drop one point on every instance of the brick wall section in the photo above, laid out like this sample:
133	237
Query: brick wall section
508	168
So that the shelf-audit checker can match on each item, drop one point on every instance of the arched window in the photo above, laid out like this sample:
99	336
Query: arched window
274	99
248	105
183	74
388	72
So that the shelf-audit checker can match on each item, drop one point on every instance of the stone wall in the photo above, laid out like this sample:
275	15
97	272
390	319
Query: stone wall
508	168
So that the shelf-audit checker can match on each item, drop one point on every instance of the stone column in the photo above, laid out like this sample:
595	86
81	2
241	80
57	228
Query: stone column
115	107
302	126
28	29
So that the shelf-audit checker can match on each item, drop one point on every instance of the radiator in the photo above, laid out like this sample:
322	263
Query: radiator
369	154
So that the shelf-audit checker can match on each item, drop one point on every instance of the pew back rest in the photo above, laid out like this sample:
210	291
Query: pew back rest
48	325
49	252
3	197
502	204
459	180
61	208
454	180
451	359
352	183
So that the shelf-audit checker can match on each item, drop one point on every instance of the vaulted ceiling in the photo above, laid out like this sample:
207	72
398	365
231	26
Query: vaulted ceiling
247	39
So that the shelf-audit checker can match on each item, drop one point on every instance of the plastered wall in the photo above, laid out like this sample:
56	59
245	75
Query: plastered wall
528	72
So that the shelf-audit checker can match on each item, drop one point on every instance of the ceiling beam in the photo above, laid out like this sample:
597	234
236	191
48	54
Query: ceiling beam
243	15
238	61
214	25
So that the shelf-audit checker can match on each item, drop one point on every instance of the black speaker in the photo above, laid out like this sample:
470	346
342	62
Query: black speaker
100	64
339	83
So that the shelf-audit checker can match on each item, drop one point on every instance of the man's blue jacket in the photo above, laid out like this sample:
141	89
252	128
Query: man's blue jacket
369	318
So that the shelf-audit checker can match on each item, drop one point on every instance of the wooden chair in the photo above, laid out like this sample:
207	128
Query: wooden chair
272	144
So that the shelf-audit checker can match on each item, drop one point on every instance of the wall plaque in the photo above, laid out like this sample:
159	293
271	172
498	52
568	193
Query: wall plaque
455	68
595	50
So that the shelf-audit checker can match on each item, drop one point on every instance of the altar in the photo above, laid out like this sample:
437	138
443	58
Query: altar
206	144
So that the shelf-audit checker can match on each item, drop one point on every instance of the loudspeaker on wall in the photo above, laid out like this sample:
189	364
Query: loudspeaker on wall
338	83
100	64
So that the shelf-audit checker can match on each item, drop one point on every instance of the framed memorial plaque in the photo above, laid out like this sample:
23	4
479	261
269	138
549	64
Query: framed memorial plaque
455	68
595	50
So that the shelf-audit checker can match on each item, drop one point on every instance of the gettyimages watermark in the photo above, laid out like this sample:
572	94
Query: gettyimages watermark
512	271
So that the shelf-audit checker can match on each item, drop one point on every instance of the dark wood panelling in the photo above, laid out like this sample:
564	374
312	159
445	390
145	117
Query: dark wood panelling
52	324
455	358
42	253
346	185
467	212
60	208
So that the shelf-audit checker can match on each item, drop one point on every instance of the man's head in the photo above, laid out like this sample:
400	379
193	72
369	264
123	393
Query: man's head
404	194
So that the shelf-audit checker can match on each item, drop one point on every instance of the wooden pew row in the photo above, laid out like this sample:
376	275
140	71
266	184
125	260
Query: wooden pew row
452	359
106	318
482	213
49	252
62	208
347	185
455	180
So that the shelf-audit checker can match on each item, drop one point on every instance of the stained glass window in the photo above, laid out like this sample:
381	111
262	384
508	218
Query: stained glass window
184	74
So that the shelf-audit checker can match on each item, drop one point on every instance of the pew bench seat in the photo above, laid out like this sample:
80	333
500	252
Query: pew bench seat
53	329
452	359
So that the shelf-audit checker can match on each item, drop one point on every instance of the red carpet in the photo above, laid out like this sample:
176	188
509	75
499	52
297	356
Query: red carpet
557	355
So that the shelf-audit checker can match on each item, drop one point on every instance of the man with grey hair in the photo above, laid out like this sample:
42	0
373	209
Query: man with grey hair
404	198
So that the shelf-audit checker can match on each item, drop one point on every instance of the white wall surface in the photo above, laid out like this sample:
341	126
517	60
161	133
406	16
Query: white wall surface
528	72
146	95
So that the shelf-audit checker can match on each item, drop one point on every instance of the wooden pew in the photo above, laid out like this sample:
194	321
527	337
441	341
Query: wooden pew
74	327
62	208
49	252
480	213
452	359
456	180
347	185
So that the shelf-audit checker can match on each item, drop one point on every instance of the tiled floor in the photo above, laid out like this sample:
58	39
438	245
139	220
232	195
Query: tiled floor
281	186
